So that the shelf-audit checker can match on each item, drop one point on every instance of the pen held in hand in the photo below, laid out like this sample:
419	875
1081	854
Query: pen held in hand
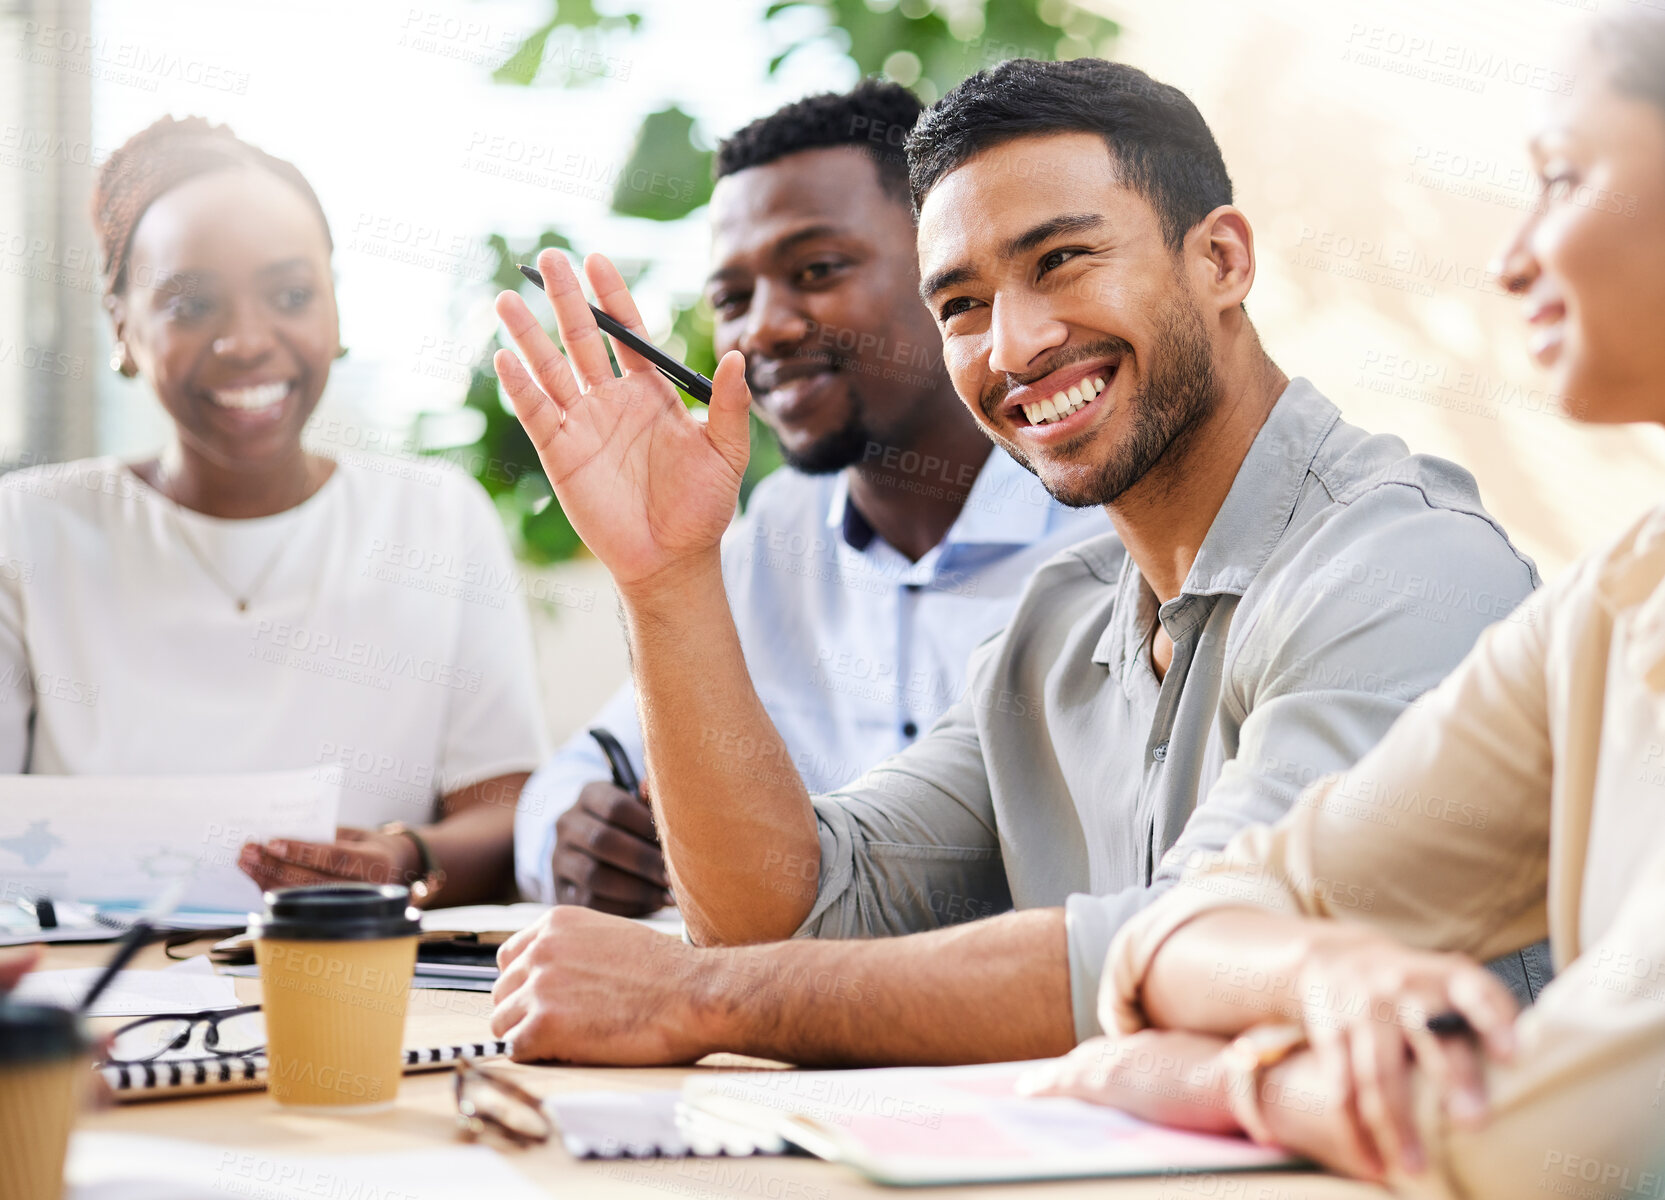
1449	1024
624	775
684	376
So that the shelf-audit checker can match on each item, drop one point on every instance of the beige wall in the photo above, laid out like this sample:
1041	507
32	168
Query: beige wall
1378	148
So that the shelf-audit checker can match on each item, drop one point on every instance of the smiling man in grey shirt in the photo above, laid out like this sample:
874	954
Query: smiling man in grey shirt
1339	581
1289	585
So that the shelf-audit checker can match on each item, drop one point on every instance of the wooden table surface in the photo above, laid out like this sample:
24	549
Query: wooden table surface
423	1117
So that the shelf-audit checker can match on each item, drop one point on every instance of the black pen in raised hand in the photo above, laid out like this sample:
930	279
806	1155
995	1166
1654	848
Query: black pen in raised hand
681	374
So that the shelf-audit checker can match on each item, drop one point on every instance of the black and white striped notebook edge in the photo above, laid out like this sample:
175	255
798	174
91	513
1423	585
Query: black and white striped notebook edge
247	1072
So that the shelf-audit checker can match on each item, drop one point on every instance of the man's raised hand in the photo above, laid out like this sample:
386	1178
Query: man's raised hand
646	484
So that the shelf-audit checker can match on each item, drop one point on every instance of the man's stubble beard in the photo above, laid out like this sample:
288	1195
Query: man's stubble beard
832	452
1176	398
853	442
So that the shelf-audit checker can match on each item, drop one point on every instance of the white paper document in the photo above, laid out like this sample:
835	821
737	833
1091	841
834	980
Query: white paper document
121	839
483	918
511	918
124	1166
914	1126
186	987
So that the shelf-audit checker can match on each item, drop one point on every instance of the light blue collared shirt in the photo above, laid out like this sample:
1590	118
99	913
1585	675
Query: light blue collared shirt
853	649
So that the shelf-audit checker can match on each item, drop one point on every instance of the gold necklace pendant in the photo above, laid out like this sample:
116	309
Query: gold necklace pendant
208	567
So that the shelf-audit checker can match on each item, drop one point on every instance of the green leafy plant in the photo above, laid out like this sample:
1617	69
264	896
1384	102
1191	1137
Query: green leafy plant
927	45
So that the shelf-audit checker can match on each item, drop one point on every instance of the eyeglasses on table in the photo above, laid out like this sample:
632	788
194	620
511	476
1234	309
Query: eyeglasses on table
490	1102
221	1033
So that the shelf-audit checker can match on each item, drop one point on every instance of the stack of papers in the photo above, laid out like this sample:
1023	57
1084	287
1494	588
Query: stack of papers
187	987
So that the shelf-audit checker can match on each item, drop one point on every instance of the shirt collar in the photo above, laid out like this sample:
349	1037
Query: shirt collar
1250	523
839	506
1007	506
1262	499
1628	585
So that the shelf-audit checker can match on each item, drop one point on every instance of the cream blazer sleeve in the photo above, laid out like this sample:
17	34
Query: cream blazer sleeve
1442	837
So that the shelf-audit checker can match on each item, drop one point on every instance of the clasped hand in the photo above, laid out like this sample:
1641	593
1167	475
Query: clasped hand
1349	1099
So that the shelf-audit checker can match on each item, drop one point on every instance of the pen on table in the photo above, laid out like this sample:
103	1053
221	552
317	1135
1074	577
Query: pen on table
684	376
624	775
134	939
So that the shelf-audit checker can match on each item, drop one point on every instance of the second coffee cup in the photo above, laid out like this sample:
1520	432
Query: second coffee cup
43	1072
335	970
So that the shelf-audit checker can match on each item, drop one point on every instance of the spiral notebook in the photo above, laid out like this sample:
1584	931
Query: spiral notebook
172	1078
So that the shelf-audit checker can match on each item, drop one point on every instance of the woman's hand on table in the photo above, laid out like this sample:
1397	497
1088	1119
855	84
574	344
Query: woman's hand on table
356	856
1181	1080
1366	1002
1170	1078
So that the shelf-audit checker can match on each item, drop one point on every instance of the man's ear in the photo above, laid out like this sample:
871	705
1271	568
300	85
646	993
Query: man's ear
1220	252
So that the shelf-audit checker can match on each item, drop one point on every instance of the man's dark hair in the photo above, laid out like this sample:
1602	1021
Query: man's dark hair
875	116
1158	140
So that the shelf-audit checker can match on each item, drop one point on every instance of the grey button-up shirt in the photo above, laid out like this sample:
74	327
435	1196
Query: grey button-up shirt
1341	579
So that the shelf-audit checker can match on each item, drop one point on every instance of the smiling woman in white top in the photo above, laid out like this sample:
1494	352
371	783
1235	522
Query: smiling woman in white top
238	604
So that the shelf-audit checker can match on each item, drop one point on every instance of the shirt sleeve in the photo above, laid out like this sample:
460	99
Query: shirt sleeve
1319	682
1580	1108
911	845
495	722
1456	793
555	787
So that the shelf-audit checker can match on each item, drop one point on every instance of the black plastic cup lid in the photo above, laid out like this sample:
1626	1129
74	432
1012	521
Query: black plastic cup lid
337	912
34	1033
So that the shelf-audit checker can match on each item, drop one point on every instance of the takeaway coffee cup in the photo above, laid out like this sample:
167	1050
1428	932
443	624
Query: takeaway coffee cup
44	1057
335	970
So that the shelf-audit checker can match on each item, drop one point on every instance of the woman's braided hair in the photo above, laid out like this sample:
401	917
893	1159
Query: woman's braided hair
159	158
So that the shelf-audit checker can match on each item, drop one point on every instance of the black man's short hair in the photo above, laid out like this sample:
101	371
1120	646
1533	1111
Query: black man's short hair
874	116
